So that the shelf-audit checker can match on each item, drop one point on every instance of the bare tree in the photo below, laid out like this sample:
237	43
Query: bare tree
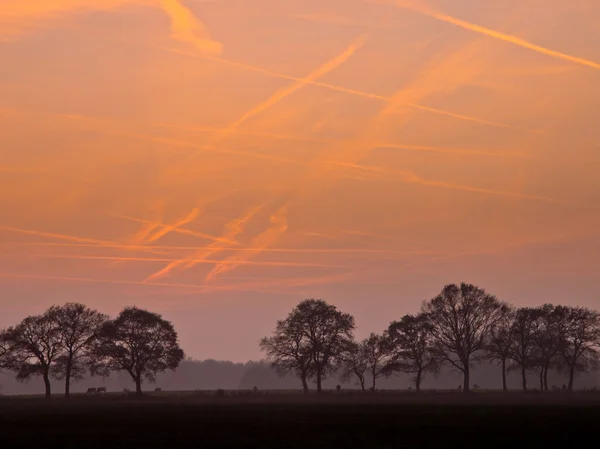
35	345
78	328
376	348
501	342
288	352
353	362
581	343
411	347
139	342
548	339
6	351
325	333
523	344
461	319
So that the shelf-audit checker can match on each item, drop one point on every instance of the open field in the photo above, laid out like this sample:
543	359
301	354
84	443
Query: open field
280	420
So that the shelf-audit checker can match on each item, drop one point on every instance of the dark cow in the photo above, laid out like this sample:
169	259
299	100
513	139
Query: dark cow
91	391
101	390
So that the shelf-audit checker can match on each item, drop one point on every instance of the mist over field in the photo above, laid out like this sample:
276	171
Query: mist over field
213	375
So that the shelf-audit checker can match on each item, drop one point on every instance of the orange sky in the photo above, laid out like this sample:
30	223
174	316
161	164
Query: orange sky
220	160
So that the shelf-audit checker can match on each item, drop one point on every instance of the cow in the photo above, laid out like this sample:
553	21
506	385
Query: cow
101	390
158	390
91	391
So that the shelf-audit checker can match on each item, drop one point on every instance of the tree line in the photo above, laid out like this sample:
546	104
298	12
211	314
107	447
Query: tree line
68	341
460	327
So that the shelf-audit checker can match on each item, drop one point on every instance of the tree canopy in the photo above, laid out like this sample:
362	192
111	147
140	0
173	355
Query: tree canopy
138	342
461	319
315	335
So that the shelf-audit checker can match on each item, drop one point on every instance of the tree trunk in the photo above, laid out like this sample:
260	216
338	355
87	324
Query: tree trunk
138	385
504	386
571	376
467	379
304	383
546	369
68	369
542	379
418	380
362	383
47	384
374	381
524	376
319	386
68	384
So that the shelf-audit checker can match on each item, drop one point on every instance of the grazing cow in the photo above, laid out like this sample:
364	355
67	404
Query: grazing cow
158	390
91	391
100	390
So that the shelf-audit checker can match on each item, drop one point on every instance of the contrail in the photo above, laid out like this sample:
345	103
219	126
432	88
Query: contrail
196	289
335	20
300	83
284	93
400	146
179	230
451	150
449	73
495	34
282	283
184	144
265	239
170	228
187	28
220	249
103	243
273	136
348	91
97	281
232	230
411	178
144	232
235	227
141	236
194	260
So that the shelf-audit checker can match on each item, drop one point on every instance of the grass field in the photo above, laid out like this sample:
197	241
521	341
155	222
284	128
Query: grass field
288	420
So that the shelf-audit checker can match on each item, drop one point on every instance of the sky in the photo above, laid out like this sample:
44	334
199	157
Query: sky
219	161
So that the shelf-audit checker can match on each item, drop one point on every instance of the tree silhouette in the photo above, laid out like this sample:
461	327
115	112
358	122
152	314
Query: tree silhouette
376	348
461	319
581	344
411	347
353	362
35	345
501	342
548	339
78	328
6	351
523	344
139	342
326	332
288	351
317	331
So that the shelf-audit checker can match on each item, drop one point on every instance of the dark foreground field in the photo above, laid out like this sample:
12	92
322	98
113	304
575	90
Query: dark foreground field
481	420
